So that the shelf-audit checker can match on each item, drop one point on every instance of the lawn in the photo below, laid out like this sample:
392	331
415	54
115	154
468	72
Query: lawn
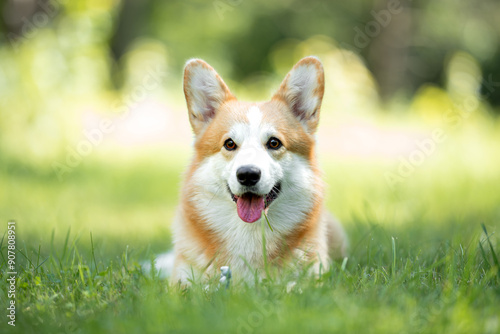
423	258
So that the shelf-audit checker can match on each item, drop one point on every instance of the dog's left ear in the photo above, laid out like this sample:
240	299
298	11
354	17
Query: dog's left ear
302	90
205	92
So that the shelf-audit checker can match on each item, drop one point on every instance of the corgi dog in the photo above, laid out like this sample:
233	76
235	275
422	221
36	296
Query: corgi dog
252	161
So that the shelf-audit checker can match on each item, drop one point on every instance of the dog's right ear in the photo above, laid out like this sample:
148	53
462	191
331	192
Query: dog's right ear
205	92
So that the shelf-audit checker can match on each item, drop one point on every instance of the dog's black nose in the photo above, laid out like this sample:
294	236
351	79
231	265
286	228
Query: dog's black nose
248	175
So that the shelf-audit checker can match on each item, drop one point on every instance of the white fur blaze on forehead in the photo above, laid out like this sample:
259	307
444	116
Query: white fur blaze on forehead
255	131
205	92
254	116
302	90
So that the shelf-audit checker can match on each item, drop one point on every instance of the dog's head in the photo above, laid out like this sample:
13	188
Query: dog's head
254	150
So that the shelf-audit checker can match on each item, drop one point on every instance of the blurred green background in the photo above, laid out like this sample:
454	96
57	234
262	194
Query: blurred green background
94	138
94	133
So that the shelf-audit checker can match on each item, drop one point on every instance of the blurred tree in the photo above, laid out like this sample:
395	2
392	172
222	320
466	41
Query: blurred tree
131	23
404	43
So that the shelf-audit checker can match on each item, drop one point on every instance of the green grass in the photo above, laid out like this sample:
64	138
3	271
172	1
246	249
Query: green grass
420	260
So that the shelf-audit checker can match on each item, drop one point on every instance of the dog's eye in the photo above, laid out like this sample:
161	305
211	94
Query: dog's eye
274	143
230	145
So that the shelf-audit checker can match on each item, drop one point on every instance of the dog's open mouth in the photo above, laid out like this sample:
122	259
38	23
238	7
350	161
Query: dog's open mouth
250	205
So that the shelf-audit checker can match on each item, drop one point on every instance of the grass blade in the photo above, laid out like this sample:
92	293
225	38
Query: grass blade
264	251
393	257
268	223
93	254
493	254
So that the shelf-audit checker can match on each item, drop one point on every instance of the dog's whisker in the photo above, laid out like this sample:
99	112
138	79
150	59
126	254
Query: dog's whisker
218	188
290	187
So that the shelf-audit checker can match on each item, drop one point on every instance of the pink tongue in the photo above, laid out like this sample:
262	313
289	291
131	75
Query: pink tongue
250	207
